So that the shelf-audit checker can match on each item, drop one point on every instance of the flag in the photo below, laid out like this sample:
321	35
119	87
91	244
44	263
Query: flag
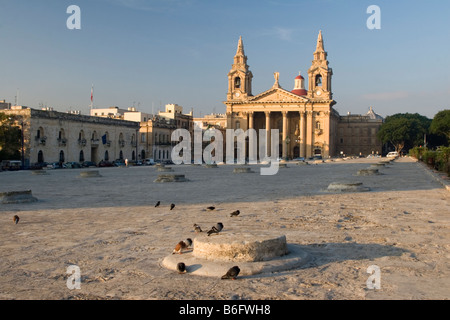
104	139
92	93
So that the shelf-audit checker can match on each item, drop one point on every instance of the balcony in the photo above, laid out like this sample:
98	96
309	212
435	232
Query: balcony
82	142
41	140
62	142
95	142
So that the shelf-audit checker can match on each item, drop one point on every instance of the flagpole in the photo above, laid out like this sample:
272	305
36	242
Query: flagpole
92	96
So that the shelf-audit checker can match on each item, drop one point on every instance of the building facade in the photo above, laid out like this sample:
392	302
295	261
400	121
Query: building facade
357	134
307	122
155	139
51	136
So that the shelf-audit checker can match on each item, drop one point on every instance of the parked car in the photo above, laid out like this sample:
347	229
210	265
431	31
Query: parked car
39	165
11	165
119	163
104	163
149	162
87	164
71	165
54	165
392	154
299	159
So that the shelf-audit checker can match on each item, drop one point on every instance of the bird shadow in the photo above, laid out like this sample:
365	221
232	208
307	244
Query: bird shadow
193	267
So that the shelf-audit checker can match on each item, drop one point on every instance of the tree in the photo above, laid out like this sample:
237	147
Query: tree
441	124
404	130
10	138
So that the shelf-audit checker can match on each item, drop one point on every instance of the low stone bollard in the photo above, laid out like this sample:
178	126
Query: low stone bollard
368	172
165	169
347	186
171	178
242	170
16	197
39	172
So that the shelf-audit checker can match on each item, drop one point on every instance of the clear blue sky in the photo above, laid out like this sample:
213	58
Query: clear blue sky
153	52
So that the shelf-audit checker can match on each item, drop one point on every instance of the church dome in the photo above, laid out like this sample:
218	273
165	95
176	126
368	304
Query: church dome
300	92
299	88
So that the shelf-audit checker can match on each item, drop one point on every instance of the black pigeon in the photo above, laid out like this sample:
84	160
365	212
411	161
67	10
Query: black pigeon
172	206
181	267
16	219
235	213
197	228
216	229
157	204
232	273
210	208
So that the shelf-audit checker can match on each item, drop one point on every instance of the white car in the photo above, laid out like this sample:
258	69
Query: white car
392	154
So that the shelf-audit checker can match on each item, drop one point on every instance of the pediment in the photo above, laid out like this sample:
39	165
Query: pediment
277	95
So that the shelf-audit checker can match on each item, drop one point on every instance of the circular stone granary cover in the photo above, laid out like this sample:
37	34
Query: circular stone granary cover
253	253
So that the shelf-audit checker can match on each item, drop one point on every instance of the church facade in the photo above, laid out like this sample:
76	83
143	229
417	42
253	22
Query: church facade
307	122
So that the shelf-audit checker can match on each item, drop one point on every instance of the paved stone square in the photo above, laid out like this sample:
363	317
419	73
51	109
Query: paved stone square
109	227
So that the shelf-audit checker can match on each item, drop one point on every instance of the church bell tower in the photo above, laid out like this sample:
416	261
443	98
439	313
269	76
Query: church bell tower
239	77
319	75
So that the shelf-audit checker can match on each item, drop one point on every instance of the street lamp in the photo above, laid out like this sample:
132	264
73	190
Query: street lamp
288	140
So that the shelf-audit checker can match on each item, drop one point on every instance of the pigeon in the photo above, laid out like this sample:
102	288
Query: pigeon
172	206
182	245
181	267
232	273
216	229
235	213
16	219
197	228
157	204
210	208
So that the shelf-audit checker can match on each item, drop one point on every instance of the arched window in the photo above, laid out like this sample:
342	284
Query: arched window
61	156
318	125
237	125
318	80
143	154
106	155
121	155
81	158
40	156
133	155
237	82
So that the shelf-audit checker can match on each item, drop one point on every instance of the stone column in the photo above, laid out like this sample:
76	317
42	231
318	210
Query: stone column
268	136
285	135
309	133
302	127
250	119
